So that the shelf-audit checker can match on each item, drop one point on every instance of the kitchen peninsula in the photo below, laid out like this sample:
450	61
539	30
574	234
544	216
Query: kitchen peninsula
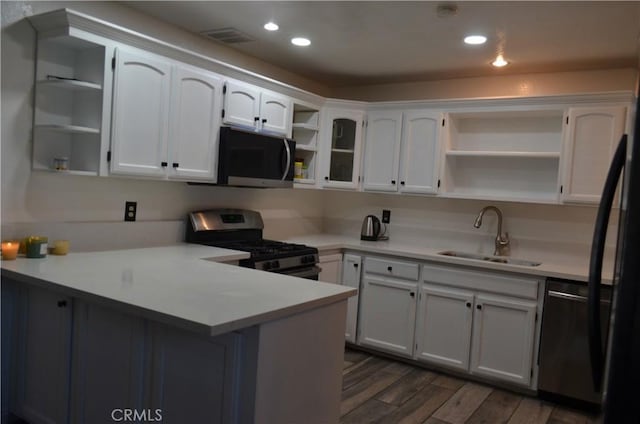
170	329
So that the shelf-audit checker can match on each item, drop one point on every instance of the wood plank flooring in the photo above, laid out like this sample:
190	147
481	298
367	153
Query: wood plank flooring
380	390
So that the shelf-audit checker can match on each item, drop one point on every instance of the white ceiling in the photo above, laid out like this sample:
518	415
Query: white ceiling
386	41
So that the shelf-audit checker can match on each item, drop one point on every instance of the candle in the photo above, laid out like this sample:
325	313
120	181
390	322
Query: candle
36	247
60	247
10	249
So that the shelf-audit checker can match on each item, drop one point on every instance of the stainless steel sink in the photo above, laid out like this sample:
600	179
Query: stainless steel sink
496	259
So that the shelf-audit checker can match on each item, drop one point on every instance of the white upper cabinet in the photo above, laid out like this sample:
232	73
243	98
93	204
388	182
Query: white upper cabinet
140	124
166	118
275	114
382	151
241	104
402	151
592	136
420	160
251	107
341	143
195	122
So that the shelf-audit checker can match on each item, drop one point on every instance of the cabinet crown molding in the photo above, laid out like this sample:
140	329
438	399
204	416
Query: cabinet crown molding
66	21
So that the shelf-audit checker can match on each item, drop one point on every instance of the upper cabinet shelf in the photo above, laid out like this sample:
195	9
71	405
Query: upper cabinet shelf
72	104
70	129
505	154
68	84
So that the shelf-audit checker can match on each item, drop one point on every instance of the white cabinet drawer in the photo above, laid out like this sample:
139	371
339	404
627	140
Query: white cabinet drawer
397	269
486	281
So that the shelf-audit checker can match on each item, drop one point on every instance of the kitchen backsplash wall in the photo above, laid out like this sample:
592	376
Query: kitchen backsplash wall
534	229
90	211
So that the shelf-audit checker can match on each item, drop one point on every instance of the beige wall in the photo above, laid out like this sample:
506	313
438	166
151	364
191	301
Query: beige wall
541	84
41	197
45	199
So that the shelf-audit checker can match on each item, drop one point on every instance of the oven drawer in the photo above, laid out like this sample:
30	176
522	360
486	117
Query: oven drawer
392	268
310	273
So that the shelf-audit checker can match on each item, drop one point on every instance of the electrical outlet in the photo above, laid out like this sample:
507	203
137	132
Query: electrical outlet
130	209
386	216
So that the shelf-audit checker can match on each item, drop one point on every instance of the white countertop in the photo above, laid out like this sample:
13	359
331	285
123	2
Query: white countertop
182	285
565	269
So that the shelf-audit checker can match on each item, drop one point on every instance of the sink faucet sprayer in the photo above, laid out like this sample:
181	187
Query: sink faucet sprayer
502	243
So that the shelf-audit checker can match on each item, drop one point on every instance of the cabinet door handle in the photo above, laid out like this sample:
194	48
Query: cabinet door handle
389	268
256	118
401	182
264	121
355	265
62	303
393	182
412	294
479	307
468	304
175	164
163	164
326	178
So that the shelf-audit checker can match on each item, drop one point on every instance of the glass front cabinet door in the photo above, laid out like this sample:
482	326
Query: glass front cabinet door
342	148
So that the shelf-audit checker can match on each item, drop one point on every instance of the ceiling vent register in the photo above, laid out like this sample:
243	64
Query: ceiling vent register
227	35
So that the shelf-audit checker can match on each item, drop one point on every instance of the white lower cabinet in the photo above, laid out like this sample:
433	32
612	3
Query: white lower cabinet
330	268
388	303
443	333
503	335
351	266
388	314
478	321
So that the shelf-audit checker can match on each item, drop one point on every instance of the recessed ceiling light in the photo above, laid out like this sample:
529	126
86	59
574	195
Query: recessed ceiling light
499	62
300	41
271	26
475	39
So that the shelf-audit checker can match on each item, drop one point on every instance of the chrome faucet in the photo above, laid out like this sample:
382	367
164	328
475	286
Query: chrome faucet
502	243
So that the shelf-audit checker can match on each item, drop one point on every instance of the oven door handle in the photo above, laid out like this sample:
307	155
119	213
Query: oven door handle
288	150
305	273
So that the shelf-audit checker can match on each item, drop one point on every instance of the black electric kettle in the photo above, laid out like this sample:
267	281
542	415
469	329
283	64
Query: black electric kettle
370	228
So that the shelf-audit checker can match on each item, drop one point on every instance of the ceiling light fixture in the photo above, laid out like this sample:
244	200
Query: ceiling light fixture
499	62
475	39
271	26
300	41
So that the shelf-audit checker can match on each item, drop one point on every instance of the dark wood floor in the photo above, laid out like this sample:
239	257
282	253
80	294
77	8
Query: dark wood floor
380	390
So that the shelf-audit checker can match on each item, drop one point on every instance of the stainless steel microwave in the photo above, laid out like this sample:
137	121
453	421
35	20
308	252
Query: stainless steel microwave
250	159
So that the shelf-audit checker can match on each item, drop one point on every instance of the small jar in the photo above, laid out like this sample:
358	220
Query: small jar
297	166
61	164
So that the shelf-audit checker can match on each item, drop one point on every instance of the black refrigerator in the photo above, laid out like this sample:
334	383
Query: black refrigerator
616	368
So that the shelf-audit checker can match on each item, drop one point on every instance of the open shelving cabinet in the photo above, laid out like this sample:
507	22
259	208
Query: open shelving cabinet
504	155
69	104
305	129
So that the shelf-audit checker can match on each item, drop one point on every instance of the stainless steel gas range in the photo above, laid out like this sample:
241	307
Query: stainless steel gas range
240	229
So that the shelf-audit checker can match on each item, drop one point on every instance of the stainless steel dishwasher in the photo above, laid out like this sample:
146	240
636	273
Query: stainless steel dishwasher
565	370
